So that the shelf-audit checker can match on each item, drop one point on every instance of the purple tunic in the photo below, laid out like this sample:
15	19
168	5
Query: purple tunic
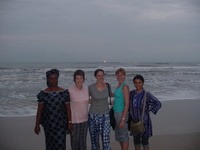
136	107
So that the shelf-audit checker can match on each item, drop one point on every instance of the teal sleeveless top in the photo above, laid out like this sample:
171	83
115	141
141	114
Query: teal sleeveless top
119	103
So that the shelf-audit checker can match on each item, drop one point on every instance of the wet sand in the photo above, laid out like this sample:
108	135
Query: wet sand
175	127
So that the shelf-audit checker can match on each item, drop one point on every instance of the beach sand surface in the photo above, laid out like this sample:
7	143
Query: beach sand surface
175	127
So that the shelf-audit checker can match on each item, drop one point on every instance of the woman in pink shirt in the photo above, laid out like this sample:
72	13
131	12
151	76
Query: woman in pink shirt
79	100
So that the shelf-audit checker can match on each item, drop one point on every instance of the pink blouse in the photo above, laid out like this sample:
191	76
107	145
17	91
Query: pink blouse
79	100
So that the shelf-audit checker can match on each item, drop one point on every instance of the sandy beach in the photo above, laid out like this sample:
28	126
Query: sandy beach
175	127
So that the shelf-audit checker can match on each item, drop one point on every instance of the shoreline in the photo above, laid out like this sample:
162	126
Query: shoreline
175	127
26	108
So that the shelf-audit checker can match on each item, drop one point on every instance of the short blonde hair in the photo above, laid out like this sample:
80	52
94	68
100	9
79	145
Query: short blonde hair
120	70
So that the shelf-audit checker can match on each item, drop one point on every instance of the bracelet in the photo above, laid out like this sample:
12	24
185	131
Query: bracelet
123	118
69	121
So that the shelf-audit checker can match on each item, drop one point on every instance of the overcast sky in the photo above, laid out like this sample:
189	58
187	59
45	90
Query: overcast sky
98	30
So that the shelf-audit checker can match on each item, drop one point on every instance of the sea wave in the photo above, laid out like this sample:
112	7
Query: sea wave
20	83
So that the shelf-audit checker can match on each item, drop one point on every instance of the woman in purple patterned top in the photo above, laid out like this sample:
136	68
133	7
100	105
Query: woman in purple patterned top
136	108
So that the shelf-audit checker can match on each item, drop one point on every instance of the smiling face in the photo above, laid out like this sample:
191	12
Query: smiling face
79	80
100	76
120	76
138	85
52	80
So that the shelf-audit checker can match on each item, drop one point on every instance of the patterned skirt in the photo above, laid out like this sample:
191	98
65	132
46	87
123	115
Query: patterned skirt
55	139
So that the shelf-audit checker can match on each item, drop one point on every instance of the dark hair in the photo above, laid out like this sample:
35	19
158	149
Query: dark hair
138	77
79	73
98	70
52	71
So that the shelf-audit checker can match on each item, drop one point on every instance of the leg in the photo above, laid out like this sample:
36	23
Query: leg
124	145
121	134
121	145
83	136
105	131
79	136
137	142
94	131
75	137
145	143
137	148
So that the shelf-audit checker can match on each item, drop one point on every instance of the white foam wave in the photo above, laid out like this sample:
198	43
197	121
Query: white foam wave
20	84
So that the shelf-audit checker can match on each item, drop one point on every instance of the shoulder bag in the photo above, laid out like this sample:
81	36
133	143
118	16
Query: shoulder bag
112	117
138	127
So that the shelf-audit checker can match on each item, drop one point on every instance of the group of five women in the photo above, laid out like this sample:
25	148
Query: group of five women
61	111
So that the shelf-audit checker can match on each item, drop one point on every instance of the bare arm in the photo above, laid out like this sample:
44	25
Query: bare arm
38	118
90	101
125	91
68	111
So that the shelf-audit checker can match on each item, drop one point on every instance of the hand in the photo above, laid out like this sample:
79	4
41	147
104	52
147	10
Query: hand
37	129
69	127
121	124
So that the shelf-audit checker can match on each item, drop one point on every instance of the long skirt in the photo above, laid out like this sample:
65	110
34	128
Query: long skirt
55	139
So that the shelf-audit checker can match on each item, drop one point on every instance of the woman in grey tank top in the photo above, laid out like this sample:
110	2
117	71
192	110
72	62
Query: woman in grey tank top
99	119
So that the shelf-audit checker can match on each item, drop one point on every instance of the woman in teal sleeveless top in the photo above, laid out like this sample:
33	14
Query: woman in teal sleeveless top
119	99
121	105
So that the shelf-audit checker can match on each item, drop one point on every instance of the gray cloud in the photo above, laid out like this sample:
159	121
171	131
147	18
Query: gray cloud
59	30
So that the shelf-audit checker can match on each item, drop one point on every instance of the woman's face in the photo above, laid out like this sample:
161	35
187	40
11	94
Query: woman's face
138	84
79	80
53	80
100	76
120	76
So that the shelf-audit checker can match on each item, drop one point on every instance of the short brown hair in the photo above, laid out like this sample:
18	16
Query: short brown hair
120	70
79	73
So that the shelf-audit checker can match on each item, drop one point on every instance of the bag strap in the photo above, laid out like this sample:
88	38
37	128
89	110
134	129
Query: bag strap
145	95
108	85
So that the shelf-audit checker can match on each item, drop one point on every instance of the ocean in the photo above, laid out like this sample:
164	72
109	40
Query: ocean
20	82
